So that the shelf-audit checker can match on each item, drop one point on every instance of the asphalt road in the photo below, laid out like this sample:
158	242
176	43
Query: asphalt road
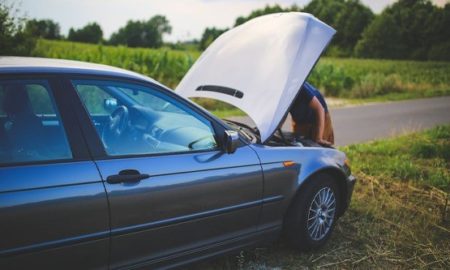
374	121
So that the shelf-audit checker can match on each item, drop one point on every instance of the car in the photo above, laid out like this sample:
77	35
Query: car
103	168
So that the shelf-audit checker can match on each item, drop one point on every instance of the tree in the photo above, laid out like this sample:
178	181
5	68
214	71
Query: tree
348	17
409	29
266	10
325	10
350	24
13	40
47	29
91	33
381	40
142	33
440	48
209	35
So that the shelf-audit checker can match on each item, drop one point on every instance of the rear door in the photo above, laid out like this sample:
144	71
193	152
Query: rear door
171	188
53	207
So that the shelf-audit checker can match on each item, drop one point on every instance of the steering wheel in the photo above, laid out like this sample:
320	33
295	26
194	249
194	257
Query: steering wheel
118	123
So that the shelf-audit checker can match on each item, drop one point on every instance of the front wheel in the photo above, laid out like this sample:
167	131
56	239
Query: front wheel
312	216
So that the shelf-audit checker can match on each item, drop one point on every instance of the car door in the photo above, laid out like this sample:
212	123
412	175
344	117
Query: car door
170	186
53	207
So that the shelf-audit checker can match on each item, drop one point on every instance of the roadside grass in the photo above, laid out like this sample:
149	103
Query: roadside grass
398	218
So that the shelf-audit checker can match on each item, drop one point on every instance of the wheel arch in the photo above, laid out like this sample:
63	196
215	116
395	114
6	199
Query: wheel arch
340	179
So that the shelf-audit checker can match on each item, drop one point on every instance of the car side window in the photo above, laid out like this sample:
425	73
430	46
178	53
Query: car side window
30	125
141	120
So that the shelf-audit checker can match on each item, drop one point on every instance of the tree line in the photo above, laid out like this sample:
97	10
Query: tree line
18	35
133	34
407	29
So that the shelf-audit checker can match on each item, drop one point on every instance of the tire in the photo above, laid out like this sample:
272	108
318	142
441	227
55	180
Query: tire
306	226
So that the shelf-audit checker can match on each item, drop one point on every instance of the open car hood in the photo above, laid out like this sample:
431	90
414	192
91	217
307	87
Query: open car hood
260	66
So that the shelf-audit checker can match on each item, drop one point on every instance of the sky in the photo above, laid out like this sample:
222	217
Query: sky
188	18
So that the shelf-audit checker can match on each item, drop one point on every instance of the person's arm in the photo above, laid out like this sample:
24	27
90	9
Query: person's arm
319	112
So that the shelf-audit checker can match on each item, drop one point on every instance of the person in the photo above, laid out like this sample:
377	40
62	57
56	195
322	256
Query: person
310	116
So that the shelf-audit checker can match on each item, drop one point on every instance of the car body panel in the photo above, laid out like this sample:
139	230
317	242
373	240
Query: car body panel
36	65
280	180
212	195
47	210
258	68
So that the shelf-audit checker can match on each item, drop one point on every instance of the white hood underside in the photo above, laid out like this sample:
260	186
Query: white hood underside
259	66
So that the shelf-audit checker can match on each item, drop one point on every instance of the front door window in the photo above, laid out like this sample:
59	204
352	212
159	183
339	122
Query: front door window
132	119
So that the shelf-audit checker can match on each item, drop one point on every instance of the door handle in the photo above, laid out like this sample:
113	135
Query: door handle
127	176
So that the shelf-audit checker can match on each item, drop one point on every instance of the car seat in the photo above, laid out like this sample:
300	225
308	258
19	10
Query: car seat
24	131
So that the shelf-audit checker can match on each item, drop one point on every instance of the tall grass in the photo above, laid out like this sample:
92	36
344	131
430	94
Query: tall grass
368	78
351	78
165	65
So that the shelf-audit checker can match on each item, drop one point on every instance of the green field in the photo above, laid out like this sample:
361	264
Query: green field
165	65
399	217
381	79
354	79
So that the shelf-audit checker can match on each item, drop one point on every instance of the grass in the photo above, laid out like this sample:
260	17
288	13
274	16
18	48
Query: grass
354	80
225	113
368	78
398	218
165	65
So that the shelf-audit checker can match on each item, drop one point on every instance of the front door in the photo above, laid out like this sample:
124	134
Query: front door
170	187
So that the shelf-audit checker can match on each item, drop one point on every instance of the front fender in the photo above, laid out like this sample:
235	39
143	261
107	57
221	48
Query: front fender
285	181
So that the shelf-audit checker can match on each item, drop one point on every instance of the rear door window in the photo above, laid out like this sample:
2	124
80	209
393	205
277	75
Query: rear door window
30	125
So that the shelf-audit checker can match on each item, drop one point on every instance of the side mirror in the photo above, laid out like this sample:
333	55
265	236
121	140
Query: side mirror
231	141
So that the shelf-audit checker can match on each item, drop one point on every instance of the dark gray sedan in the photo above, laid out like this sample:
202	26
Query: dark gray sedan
102	168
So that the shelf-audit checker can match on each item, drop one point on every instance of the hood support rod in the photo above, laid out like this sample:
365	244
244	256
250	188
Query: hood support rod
282	135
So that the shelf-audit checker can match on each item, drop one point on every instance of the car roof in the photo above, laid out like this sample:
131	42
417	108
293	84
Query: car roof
20	65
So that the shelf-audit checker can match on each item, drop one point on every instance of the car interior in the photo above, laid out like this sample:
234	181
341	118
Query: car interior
133	120
27	132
